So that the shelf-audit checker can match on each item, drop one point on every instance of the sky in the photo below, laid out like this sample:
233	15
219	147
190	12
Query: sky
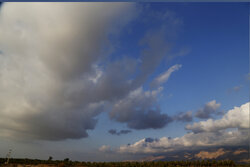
124	81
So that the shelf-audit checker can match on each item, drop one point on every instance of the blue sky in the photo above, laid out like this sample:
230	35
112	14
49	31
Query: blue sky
62	108
217	60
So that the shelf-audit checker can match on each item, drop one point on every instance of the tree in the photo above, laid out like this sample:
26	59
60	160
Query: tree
50	158
66	160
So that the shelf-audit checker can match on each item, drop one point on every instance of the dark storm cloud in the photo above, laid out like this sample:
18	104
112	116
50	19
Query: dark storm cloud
52	76
118	133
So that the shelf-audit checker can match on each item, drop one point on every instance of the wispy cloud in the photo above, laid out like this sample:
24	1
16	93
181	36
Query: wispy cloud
165	76
236	88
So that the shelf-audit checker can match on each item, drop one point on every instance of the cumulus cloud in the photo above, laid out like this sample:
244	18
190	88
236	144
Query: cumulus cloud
139	110
210	155
184	117
56	75
49	82
209	109
118	133
190	140
165	76
105	148
235	118
212	133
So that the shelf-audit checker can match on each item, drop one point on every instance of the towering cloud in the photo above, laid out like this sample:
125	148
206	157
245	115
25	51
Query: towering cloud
57	75
48	72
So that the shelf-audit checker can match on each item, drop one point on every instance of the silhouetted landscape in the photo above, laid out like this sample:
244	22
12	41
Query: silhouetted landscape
68	163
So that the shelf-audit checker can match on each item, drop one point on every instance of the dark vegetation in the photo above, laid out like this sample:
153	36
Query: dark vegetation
68	163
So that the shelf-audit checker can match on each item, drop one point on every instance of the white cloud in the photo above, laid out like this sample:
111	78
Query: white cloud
209	109
184	116
56	75
105	148
165	76
212	133
190	140
235	118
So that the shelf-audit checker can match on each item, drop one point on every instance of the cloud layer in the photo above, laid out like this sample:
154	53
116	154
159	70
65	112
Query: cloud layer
211	133
57	73
47	66
188	141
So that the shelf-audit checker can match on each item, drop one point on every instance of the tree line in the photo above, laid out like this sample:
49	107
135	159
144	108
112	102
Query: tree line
68	163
